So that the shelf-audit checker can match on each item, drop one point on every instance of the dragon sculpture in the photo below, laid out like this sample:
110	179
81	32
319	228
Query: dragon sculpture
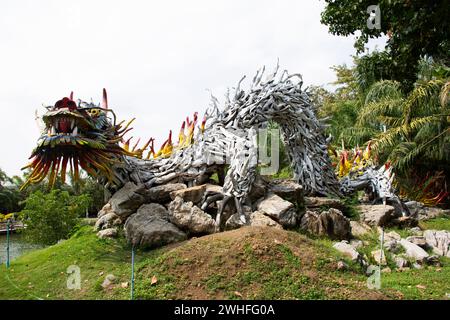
85	135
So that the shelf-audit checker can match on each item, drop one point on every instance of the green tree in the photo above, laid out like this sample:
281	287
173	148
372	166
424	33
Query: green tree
414	130
52	216
10	196
415	28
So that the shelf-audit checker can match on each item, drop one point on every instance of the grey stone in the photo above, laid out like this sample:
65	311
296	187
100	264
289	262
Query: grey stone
315	203
389	236
259	219
347	250
127	199
150	228
439	241
288	190
356	244
401	262
331	223
236	221
379	256
259	189
341	265
189	217
107	233
392	246
161	194
433	260
193	194
359	229
416	231
386	270
280	210
213	188
106	209
405	222
414	207
109	281
413	251
418	240
376	215
107	221
153	210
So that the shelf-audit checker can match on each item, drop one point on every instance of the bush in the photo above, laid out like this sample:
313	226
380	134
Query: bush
52	216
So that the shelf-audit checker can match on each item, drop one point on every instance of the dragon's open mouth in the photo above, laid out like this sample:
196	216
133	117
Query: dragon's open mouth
77	136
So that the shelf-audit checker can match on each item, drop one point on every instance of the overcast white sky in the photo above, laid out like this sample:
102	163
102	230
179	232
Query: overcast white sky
157	59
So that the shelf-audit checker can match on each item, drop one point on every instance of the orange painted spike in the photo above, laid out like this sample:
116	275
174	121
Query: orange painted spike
202	126
105	99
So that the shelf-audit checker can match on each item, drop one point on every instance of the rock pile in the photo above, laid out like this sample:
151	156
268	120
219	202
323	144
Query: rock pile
172	212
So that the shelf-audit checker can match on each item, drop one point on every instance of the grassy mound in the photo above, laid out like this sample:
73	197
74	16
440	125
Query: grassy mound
248	263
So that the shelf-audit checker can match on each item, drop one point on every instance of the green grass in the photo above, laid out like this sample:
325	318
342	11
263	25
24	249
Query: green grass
436	281
240	264
42	273
440	223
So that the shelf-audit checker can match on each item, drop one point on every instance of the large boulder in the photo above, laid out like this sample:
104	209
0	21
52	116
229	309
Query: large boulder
193	194
331	223
377	215
439	241
128	199
155	210
191	218
359	229
288	190
318	203
259	219
413	251
282	211
161	194
150	227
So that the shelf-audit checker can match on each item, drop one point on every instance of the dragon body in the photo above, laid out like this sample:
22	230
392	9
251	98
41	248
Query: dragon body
87	136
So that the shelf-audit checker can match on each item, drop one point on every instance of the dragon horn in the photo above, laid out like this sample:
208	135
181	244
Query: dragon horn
105	99
71	95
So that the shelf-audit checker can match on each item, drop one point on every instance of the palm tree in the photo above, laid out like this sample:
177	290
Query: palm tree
413	130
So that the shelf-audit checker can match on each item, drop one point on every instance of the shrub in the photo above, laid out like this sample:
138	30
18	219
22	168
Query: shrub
52	216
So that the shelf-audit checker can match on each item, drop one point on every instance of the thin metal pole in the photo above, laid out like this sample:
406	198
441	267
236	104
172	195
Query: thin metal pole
381	250
132	272
7	243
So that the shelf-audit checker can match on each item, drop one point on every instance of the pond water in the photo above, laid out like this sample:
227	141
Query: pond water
17	246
